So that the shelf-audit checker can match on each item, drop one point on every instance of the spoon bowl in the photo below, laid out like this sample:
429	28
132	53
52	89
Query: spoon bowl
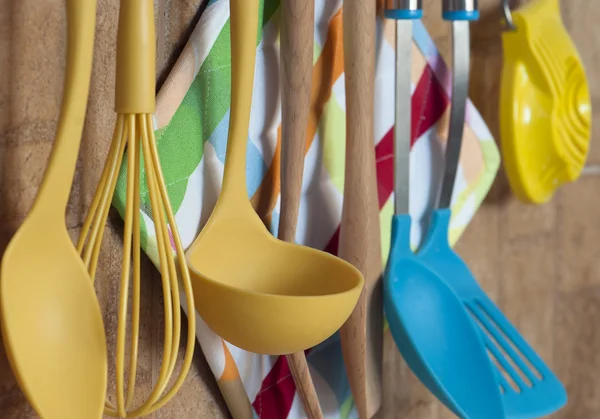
266	295
52	325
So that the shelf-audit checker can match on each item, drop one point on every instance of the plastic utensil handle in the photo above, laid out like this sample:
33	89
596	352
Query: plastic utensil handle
404	11
297	41
360	244
136	58
243	26
460	13
55	187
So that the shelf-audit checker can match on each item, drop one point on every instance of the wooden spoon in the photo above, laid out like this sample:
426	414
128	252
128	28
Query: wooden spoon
296	72
360	242
51	321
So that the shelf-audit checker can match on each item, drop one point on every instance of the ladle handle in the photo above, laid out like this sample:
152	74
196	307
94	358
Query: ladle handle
296	71
360	243
243	26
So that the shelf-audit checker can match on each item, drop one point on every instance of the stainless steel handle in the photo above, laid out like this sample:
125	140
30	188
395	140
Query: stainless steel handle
510	24
459	5
404	12
459	12
403	4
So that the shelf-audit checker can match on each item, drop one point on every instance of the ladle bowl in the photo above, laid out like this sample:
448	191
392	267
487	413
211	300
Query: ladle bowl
265	295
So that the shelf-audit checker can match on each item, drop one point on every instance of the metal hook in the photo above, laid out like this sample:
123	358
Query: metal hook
510	25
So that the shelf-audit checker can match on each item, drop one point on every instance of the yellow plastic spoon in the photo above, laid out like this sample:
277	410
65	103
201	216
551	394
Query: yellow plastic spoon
259	293
51	321
545	109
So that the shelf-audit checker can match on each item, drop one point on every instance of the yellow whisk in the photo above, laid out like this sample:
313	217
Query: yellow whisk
135	104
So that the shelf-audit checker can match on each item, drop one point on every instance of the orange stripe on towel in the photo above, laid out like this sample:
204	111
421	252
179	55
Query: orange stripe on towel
230	372
328	68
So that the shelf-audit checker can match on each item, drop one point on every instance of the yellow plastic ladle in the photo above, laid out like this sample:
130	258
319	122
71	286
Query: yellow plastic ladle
259	293
545	109
51	321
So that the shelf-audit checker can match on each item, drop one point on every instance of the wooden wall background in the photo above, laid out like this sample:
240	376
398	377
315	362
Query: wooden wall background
542	264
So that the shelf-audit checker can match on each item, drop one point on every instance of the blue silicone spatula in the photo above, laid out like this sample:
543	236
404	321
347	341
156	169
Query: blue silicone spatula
528	386
430	324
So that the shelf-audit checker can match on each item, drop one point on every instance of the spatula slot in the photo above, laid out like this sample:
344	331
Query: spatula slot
503	378
528	361
506	373
500	340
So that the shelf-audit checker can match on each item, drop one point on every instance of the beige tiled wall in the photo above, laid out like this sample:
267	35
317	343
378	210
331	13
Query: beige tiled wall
541	264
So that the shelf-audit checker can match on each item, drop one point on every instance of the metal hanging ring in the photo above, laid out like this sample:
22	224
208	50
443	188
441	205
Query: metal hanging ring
510	25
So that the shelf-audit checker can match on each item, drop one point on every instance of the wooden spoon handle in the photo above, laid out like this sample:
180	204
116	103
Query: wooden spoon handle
304	384
296	70
296	73
360	243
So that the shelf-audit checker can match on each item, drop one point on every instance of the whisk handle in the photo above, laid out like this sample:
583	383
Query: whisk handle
136	58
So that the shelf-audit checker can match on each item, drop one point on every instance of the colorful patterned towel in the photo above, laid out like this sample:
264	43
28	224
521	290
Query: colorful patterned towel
191	123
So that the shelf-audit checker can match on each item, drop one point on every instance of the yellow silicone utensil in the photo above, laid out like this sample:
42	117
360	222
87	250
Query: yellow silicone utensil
135	104
545	109
261	294
51	320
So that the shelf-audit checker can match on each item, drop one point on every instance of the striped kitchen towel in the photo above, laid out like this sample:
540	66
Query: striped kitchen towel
191	122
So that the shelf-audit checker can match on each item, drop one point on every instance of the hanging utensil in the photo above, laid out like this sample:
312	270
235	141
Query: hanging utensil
545	121
529	388
360	243
296	57
259	293
545	108
135	104
51	321
429	323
